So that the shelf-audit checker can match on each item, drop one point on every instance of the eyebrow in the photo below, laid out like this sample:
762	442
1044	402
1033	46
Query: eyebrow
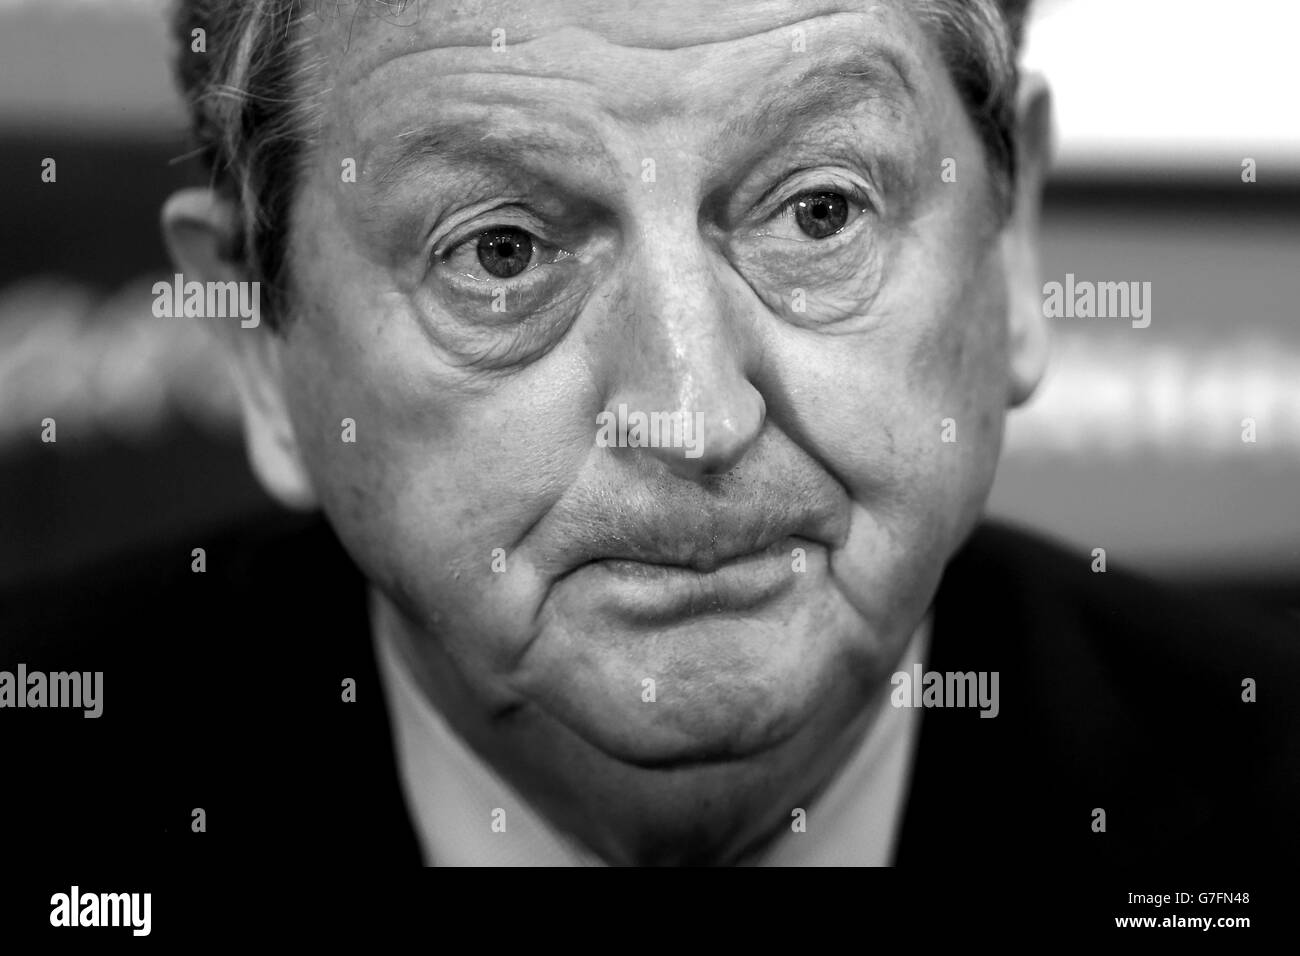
875	73
465	149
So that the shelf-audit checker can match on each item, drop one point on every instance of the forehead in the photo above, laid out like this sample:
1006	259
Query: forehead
619	63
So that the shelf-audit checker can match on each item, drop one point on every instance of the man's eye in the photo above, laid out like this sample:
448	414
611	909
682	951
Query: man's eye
500	253
814	215
504	253
820	214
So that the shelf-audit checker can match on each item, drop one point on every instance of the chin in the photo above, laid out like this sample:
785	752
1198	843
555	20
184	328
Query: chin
723	690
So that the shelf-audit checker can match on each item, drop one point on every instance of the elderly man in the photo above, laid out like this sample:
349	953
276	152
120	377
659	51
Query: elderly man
648	363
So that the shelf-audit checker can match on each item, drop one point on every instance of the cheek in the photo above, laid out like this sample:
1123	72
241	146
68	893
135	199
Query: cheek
967	368
447	473
903	414
907	415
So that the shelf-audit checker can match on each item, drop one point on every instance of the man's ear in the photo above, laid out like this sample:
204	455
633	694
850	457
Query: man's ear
1027	325
201	231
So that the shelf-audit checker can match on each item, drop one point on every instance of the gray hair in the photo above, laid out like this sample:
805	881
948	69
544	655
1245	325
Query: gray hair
253	102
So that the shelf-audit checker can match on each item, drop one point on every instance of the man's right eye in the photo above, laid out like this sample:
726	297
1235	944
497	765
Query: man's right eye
501	293
821	214
501	253
504	253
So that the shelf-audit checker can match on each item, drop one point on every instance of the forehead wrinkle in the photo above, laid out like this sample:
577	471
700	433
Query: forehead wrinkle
469	125
465	36
584	43
455	145
508	140
859	73
876	73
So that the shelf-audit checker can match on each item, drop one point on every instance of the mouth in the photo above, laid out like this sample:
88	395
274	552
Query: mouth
673	551
702	562
712	543
709	582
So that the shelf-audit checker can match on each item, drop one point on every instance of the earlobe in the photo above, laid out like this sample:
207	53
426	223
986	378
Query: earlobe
272	445
201	232
1027	326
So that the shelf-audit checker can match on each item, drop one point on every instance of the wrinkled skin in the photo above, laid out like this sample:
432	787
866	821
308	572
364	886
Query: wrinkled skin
822	369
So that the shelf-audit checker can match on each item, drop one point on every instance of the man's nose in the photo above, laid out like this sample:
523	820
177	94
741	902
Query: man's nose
683	350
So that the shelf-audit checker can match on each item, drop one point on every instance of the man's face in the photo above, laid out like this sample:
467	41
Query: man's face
734	211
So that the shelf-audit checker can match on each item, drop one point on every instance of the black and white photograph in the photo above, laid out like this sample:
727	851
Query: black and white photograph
698	434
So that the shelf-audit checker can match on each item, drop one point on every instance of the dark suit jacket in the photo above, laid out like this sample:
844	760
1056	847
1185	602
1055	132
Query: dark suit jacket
222	691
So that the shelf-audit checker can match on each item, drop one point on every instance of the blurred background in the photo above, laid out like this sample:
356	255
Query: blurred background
1134	443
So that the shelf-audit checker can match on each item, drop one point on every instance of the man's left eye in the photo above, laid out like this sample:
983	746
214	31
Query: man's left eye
814	215
820	215
504	253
